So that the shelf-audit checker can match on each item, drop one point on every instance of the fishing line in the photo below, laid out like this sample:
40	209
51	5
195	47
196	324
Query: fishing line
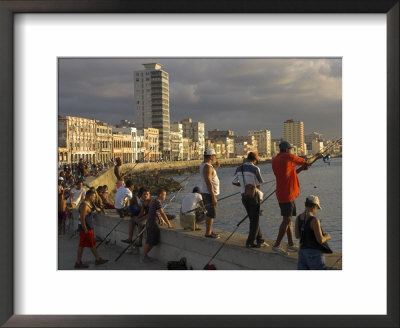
237	226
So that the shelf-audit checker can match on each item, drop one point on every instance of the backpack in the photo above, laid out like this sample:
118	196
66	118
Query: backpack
177	265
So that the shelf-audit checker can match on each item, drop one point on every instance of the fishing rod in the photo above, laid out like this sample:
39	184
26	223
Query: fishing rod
177	192
130	244
236	193
237	226
110	232
141	232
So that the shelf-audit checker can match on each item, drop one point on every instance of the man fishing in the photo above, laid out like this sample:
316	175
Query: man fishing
248	178
287	190
210	189
118	173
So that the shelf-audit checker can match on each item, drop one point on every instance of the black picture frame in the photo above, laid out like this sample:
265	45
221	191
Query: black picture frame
10	7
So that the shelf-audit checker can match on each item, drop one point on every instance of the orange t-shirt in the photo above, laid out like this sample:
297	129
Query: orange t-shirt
287	183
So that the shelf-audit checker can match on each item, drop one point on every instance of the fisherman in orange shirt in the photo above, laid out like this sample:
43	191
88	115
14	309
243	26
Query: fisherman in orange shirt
287	190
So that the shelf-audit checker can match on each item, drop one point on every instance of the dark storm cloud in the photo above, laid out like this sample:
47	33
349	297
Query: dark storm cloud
235	94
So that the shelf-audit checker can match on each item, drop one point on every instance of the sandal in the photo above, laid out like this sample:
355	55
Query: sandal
197	229
127	241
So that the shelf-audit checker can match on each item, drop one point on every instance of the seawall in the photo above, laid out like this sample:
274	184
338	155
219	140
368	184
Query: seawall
198	250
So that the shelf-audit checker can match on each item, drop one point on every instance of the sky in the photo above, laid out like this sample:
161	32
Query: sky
238	94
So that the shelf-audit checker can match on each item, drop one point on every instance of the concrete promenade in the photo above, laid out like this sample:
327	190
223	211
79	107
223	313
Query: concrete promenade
177	243
67	248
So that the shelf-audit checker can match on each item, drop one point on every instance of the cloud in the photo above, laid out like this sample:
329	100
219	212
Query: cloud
233	93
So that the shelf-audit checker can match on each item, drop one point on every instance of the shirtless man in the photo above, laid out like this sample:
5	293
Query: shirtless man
118	173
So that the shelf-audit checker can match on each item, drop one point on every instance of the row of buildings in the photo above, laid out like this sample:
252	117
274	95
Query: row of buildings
96	141
153	138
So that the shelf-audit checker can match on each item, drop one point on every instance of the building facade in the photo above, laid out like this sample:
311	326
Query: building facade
133	133
217	134
151	97
104	142
293	132
195	132
78	136
263	138
244	145
309	138
151	145
122	147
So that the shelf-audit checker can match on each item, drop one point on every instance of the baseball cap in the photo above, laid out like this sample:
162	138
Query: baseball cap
196	189
285	145
313	200
209	151
60	178
253	156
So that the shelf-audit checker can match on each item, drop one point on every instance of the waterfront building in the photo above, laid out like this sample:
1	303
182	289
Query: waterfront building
316	146
275	146
263	138
177	139
227	146
150	144
78	136
104	142
63	155
187	149
151	98
308	138
244	145
293	132
195	132
128	130
217	134
122	147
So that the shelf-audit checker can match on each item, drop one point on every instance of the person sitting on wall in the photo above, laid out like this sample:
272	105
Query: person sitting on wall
123	197
104	197
192	210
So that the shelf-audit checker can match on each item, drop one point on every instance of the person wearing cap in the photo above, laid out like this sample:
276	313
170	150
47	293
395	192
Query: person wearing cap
210	189
192	210
118	173
248	175
287	190
308	230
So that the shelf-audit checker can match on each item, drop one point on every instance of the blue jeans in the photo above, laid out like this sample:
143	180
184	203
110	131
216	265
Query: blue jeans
311	259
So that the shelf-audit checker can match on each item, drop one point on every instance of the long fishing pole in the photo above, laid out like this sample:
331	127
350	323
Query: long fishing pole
130	244
110	232
225	197
177	192
140	233
237	226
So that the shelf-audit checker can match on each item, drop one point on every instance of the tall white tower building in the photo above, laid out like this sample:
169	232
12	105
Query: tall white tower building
293	132
151	96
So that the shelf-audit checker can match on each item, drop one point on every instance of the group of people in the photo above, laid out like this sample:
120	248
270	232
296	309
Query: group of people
147	213
201	204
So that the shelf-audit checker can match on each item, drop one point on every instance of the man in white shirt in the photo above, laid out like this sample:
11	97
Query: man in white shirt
123	197
192	210
77	194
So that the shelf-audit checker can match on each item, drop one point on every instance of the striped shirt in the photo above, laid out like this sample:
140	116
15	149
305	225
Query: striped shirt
251	174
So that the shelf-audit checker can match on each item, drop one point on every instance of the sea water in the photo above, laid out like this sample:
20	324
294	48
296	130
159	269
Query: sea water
322	179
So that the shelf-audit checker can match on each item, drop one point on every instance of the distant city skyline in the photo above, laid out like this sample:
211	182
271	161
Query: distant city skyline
228	94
